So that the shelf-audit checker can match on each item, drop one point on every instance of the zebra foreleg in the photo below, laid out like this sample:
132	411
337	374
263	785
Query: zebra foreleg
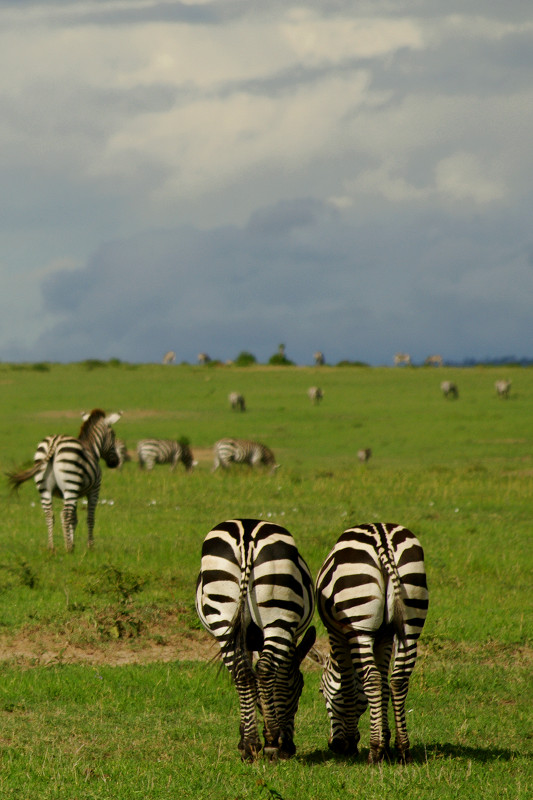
245	682
266	678
345	701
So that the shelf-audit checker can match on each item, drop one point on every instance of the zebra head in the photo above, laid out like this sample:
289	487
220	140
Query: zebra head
97	433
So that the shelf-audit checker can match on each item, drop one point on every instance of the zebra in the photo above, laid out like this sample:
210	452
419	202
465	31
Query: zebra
164	451
169	358
243	451
319	358
434	361
402	358
254	594
237	401
372	597
69	468
122	452
203	359
364	454
449	389
503	387
315	394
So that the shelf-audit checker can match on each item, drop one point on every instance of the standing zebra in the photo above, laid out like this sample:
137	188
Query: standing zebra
315	394
319	358
372	597
164	451
243	451
67	467
503	387
237	401
122	452
254	594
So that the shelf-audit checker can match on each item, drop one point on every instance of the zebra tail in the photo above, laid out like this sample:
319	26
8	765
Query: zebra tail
388	565
237	637
16	479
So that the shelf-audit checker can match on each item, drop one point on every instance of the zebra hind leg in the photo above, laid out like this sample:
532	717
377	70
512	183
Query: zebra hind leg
69	521
49	517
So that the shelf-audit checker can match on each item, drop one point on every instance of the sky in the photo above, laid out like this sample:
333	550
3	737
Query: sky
350	176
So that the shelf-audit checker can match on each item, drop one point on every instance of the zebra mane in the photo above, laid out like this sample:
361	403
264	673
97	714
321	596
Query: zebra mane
95	415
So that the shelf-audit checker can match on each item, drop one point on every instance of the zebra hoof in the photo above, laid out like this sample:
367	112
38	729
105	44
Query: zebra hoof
343	747
272	753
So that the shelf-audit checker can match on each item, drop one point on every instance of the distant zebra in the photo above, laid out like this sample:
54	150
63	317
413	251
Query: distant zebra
164	451
254	594
67	467
434	361
364	455
170	357
449	389
203	359
315	394
319	359
122	452
402	359
503	387
243	451
237	401
372	597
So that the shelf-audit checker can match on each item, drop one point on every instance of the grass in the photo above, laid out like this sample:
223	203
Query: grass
86	714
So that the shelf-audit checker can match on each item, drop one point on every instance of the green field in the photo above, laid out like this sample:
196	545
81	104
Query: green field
105	689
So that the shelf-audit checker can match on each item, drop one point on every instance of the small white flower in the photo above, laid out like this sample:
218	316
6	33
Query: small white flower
456	510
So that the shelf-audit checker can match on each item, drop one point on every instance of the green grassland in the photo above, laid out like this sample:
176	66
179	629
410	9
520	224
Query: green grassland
459	473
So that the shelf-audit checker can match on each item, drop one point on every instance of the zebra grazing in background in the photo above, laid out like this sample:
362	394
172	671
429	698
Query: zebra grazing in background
164	451
122	452
237	401
503	388
203	359
372	597
169	358
434	361
402	358
315	394
69	468
254	594
319	359
243	451
449	389
364	455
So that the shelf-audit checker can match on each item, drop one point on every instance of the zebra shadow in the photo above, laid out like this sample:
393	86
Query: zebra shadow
421	754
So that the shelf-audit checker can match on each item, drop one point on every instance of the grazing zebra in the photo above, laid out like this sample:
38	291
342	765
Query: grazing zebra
449	389
170	357
503	388
164	451
402	358
434	361
203	359
372	597
315	394
254	594
319	359
364	455
243	451
67	467
237	401
122	452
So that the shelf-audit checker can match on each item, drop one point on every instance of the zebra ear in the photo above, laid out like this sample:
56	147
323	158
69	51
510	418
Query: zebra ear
306	643
112	418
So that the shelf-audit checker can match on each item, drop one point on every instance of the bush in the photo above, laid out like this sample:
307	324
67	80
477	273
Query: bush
244	359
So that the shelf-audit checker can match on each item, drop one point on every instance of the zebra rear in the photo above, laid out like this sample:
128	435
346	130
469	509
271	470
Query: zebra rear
255	594
69	468
164	451
243	451
372	597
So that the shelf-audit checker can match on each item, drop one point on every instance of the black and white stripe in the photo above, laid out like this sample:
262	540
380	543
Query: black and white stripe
254	594
315	394
449	389
243	451
372	597
237	401
164	451
69	468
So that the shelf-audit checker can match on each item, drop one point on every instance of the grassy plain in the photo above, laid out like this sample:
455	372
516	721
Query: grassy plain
101	692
